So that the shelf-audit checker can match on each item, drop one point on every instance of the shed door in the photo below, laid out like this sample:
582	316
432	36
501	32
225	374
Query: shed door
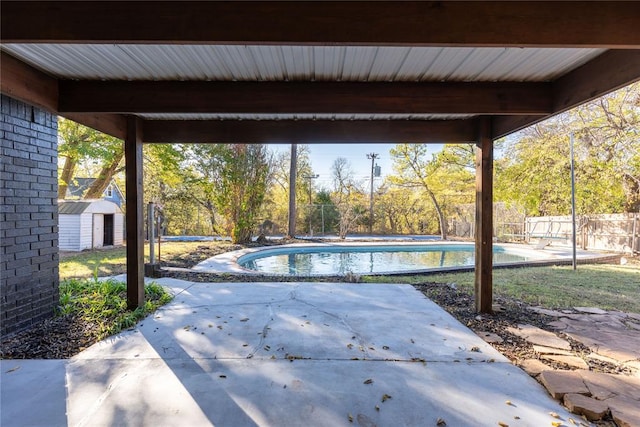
98	230
107	239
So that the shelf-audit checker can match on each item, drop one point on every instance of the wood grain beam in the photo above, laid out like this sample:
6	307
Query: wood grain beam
603	74
309	131
484	218
23	82
111	124
435	23
134	213
305	97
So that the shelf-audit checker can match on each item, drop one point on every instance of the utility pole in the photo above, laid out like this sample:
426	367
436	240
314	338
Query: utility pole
310	178
293	168
373	157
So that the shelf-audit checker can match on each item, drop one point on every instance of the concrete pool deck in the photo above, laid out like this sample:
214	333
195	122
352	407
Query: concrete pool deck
551	255
281	354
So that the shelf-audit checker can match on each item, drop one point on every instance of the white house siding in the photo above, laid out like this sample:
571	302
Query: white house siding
118	225
86	229
69	232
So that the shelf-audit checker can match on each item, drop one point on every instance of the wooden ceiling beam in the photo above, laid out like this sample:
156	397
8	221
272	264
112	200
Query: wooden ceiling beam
111	124
23	82
304	97
608	24
605	73
310	131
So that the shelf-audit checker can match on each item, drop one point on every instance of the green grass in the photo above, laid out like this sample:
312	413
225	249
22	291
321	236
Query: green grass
113	261
103	304
610	287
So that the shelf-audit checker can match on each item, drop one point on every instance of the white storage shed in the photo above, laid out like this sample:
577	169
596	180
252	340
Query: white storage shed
88	224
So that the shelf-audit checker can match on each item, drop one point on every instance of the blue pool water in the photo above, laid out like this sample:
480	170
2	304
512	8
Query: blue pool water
368	259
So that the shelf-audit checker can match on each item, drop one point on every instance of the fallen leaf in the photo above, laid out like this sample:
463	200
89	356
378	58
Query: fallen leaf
350	418
385	397
222	376
441	422
245	319
349	346
377	408
368	381
572	421
220	327
556	423
13	369
385	347
501	424
508	402
475	349
412	341
554	415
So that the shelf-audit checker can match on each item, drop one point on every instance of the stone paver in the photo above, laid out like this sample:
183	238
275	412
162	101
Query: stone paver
570	361
625	412
540	349
591	408
490	337
590	310
539	336
534	367
559	383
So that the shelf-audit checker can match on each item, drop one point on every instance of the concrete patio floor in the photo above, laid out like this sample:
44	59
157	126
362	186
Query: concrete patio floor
281	354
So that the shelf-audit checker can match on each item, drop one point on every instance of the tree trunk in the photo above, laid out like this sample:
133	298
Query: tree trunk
66	176
441	220
104	178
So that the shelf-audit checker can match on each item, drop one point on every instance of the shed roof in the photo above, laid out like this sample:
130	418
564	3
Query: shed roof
72	207
78	207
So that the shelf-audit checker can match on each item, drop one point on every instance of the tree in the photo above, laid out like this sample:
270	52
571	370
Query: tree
445	178
230	180
535	171
79	145
277	198
349	199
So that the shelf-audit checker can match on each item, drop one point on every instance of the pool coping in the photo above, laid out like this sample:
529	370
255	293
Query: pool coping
227	262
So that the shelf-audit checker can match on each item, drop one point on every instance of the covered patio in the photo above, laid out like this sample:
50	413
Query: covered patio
282	354
295	73
315	72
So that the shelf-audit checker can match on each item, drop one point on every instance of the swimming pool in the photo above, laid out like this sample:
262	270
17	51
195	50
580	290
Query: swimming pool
371	259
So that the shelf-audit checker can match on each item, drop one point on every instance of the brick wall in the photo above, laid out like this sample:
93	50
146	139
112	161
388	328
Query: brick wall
28	215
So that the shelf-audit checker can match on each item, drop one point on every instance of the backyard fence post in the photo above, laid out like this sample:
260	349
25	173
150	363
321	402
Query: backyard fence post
150	231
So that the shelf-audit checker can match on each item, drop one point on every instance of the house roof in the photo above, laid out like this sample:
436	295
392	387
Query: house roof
78	186
316	71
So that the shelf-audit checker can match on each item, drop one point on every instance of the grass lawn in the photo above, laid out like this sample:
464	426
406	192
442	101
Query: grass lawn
110	262
610	287
606	286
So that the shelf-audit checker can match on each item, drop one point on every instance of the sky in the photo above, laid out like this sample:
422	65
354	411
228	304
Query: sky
323	156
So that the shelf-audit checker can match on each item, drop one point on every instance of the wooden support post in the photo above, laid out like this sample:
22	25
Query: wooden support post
484	218
134	213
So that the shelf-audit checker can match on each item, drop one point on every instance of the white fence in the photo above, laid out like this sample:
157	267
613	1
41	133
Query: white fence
609	232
